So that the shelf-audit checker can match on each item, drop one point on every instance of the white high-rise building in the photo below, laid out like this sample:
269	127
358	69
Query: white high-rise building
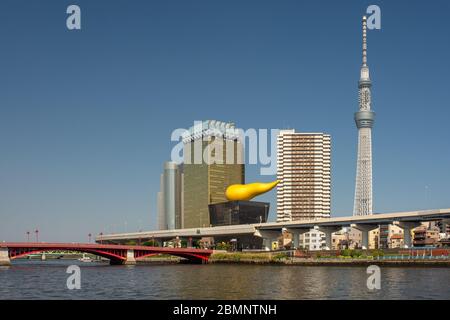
364	120
304	171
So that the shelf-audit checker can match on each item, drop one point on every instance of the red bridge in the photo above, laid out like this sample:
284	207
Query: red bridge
117	254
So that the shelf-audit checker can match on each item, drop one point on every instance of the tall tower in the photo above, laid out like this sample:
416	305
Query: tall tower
364	120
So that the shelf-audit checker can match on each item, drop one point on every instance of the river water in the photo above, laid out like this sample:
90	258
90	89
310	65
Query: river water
32	279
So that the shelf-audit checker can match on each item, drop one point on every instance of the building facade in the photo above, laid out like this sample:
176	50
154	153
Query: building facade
390	236
426	235
304	171
170	197
346	238
312	240
213	160
444	228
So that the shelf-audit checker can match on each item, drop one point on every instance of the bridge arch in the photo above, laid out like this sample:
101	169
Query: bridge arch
112	256
198	258
117	254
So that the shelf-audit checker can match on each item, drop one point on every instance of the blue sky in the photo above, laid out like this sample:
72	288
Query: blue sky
86	116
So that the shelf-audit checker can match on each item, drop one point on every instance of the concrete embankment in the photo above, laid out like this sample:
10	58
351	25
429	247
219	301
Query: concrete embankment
280	259
368	262
248	258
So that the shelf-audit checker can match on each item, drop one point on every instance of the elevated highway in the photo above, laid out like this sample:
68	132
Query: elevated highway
272	230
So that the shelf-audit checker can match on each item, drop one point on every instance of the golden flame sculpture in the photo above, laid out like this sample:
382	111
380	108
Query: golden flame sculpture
248	191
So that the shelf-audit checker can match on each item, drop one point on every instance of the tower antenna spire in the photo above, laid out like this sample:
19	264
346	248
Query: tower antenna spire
364	43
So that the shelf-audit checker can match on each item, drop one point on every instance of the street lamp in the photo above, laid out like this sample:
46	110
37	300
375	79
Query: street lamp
28	236
37	235
101	235
89	235
139	240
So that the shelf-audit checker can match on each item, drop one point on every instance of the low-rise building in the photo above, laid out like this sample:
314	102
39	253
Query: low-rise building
374	238
339	241
425	236
312	240
390	236
396	241
347	238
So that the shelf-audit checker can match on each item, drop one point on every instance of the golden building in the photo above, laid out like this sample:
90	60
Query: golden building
213	160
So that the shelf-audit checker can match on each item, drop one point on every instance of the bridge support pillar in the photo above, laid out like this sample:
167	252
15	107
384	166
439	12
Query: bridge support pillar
296	233
131	260
329	230
365	230
268	238
4	257
407	227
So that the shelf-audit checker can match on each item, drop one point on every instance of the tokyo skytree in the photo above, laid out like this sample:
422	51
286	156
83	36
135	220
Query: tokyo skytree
364	120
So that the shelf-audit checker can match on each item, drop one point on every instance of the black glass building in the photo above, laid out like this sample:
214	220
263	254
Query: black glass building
238	212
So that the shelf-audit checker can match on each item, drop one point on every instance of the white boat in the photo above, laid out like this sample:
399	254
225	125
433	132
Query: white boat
84	258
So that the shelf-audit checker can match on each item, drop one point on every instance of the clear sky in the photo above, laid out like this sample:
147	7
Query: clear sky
86	116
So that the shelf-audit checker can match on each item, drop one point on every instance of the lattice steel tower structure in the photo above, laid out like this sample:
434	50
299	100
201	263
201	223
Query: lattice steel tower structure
364	120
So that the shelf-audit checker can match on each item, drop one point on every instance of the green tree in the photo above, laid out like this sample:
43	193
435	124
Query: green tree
377	253
223	246
355	254
196	243
346	253
150	243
